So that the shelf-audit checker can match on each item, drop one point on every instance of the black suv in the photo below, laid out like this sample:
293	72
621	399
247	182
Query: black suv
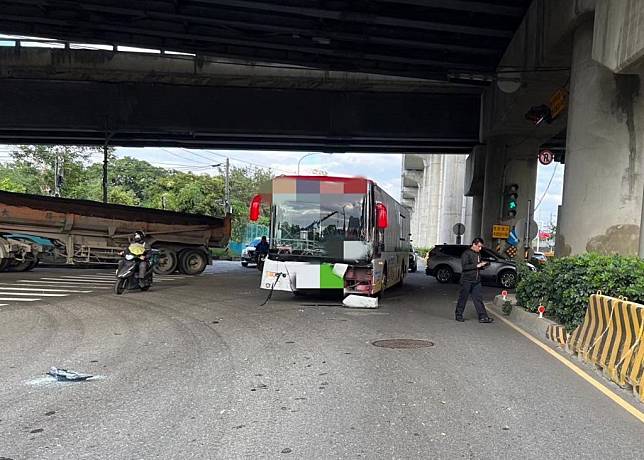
444	262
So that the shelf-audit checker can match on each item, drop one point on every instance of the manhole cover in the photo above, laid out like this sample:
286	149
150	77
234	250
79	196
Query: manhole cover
403	343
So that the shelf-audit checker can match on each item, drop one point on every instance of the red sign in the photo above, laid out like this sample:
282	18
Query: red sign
541	309
546	157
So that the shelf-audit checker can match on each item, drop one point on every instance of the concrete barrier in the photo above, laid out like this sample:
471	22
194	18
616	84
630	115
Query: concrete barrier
557	333
611	337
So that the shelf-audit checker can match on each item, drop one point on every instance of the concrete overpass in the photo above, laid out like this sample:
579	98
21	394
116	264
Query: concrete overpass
340	74
594	51
591	49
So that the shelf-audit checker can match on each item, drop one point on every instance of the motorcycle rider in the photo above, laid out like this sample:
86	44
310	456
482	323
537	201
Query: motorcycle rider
261	251
138	249
262	247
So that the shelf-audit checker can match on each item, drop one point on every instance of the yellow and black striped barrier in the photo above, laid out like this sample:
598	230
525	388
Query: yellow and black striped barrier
557	334
611	337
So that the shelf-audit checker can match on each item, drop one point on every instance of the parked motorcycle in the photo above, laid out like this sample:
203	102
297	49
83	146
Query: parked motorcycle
127	273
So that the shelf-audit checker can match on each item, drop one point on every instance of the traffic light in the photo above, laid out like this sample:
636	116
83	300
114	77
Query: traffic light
538	114
511	197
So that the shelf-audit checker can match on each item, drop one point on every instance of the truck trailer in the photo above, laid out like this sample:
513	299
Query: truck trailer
89	232
18	255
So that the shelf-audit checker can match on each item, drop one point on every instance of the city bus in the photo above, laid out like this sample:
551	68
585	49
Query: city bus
333	233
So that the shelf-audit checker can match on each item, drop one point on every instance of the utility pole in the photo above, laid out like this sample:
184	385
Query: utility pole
57	177
105	172
227	188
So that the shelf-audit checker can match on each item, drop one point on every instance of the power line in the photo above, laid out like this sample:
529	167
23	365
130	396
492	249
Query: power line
547	187
257	165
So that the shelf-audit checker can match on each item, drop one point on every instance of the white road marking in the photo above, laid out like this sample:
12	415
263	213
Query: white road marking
32	294
55	284
38	289
86	279
89	277
13	299
74	280
3	304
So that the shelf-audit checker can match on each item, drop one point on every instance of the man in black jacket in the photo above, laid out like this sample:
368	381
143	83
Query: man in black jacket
471	282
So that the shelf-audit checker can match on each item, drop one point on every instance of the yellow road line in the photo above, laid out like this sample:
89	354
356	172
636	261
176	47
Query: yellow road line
616	399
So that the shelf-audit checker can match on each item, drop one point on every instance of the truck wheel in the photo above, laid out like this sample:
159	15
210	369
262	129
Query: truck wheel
192	262
25	265
168	262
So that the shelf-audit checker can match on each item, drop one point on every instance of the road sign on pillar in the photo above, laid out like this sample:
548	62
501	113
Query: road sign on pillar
546	157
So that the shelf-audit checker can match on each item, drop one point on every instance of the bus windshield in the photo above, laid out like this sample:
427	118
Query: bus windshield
332	228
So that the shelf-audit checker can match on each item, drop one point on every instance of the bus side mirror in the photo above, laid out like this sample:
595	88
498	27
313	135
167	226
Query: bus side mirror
381	216
255	206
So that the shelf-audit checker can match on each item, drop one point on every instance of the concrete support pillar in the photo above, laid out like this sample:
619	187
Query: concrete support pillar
604	177
477	216
452	211
434	185
509	160
641	252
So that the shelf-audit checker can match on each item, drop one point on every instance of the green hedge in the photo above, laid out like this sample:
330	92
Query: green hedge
564	284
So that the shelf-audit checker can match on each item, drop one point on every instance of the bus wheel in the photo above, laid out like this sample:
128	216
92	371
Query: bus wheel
385	281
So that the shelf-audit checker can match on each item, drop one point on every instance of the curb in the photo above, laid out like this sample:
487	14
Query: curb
542	328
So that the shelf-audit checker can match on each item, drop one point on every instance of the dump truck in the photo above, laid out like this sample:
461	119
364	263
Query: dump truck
89	232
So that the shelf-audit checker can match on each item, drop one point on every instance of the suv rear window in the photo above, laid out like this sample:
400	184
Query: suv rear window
454	251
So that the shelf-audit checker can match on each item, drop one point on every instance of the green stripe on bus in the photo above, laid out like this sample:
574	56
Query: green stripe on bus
328	279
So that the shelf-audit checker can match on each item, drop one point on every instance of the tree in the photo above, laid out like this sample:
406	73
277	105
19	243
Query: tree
39	162
8	185
135	182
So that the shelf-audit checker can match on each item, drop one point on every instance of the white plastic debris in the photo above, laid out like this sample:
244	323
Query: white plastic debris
64	375
358	301
340	269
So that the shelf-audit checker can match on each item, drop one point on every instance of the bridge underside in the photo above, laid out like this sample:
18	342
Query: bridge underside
433	39
144	114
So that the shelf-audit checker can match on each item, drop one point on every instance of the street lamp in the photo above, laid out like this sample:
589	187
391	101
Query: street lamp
312	153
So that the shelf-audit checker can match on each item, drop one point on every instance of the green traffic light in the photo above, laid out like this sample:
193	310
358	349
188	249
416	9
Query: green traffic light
512	205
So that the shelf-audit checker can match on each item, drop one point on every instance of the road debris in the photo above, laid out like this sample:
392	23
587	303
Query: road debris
64	375
358	301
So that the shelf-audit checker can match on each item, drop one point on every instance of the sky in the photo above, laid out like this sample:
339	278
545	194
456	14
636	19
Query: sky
383	168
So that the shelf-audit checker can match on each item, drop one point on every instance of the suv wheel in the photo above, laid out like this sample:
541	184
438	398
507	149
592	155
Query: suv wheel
444	274
508	279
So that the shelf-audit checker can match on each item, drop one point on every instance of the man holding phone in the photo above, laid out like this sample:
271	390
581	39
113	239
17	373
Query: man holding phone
471	282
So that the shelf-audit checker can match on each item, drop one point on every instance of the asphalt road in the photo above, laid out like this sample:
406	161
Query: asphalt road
195	368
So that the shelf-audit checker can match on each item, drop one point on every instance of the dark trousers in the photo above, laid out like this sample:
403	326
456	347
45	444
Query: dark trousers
471	288
143	267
